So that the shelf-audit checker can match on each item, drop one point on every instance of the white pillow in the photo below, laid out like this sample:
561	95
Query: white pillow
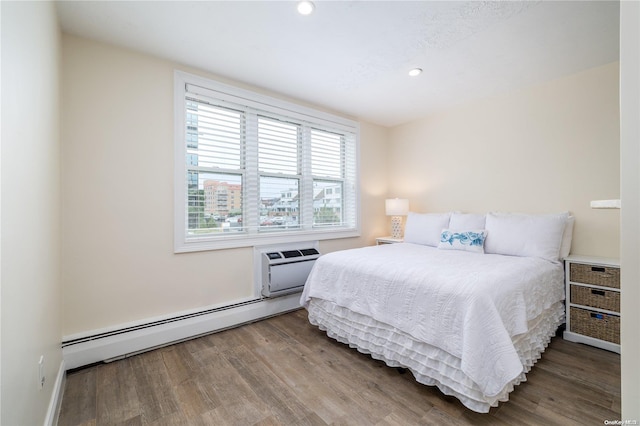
467	221
567	236
463	240
425	228
517	234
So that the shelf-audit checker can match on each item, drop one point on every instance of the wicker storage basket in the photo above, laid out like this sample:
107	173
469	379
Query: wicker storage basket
596	275
596	298
595	324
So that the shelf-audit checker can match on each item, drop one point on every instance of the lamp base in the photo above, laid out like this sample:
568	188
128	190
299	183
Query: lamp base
396	226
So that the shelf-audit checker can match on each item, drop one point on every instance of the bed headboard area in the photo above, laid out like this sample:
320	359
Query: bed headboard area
546	236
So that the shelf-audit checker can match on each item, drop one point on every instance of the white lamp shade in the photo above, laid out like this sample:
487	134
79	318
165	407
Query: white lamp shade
397	206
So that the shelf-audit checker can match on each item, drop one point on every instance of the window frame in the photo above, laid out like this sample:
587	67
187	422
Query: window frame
227	93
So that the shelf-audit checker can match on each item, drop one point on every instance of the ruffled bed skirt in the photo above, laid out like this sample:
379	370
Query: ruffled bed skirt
429	364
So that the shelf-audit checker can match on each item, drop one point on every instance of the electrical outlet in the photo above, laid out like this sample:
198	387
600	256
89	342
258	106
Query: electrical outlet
41	377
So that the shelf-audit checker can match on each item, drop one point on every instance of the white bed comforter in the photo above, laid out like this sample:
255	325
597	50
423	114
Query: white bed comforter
469	305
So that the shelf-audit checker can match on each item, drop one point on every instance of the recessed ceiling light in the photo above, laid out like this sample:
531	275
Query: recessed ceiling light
306	7
414	72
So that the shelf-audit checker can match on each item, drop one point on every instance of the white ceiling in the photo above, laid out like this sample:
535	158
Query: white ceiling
353	56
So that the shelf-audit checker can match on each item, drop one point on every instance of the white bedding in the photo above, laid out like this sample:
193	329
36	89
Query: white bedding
485	317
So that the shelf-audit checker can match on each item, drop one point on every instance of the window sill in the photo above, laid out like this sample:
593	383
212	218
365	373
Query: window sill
243	240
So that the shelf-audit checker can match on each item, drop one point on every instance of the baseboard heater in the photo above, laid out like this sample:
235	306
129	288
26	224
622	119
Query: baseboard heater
107	345
285	272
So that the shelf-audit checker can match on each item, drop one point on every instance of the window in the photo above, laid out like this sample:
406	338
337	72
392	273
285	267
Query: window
256	170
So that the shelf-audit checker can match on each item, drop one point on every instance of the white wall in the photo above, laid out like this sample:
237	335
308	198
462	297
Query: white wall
630	214
30	210
118	264
548	148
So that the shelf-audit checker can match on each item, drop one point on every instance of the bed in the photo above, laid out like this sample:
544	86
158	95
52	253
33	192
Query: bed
468	303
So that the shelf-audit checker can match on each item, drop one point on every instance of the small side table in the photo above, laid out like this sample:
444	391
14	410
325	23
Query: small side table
388	240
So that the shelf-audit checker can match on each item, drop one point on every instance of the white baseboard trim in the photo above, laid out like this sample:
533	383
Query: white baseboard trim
56	396
128	342
587	340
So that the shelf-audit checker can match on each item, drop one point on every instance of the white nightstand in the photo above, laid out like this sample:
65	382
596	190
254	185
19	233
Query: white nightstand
388	240
593	301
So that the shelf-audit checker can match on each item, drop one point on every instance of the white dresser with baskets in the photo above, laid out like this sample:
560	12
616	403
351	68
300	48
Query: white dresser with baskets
593	301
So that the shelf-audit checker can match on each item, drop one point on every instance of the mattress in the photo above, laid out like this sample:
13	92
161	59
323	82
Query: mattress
470	324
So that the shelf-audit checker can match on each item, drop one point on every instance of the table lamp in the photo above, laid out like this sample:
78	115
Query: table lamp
396	208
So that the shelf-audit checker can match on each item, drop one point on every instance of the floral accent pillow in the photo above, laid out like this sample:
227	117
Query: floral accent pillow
463	240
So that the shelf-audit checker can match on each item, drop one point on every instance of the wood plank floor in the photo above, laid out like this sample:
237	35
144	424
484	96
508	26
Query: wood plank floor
284	371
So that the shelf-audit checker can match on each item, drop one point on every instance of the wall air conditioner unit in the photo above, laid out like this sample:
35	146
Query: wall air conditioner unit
285	271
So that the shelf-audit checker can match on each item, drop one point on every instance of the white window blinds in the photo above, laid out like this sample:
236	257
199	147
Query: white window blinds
327	153
278	146
255	172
